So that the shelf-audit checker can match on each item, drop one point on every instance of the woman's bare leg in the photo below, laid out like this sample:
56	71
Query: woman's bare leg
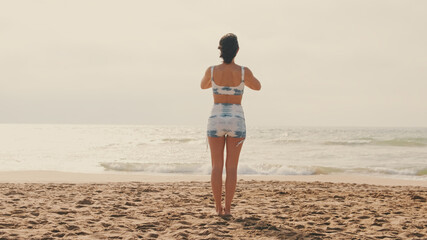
217	155
233	153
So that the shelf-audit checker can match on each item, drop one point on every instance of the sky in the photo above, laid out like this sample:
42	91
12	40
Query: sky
320	63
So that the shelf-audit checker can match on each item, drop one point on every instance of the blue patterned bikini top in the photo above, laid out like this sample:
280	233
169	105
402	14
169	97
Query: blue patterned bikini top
224	90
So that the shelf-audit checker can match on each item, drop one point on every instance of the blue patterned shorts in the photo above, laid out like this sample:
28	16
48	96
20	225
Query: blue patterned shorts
227	120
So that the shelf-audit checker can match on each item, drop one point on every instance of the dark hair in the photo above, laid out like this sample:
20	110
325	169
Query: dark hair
228	46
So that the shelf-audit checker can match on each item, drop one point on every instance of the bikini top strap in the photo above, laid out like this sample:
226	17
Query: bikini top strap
243	74
212	68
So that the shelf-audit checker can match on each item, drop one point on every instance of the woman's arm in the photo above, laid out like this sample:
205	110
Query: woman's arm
206	80
251	81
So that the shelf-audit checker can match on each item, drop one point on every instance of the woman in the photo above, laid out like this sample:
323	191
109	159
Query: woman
226	125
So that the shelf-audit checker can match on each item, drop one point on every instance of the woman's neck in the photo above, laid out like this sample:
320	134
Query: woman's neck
231	63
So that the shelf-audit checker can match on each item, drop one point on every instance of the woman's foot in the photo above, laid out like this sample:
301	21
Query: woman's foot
220	211
227	212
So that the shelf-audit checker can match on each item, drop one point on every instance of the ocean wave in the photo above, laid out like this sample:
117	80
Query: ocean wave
286	141
204	168
257	169
179	140
348	142
272	169
396	142
403	142
185	168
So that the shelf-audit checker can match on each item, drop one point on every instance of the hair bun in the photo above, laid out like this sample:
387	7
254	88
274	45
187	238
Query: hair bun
228	45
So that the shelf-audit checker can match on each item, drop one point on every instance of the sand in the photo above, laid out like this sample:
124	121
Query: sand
262	209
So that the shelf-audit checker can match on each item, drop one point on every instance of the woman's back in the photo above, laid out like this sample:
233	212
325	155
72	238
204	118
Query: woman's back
229	75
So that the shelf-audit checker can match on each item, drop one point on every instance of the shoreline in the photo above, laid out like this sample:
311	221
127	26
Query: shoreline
73	177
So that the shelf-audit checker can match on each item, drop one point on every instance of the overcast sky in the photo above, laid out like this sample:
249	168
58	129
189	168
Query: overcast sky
321	63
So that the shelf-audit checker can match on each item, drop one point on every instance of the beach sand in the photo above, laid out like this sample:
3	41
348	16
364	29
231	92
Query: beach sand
104	207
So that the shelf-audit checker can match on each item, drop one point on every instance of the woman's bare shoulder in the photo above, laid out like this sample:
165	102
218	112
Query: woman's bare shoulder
208	70
248	71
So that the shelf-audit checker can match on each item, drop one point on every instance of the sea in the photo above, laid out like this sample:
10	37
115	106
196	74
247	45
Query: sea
158	149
